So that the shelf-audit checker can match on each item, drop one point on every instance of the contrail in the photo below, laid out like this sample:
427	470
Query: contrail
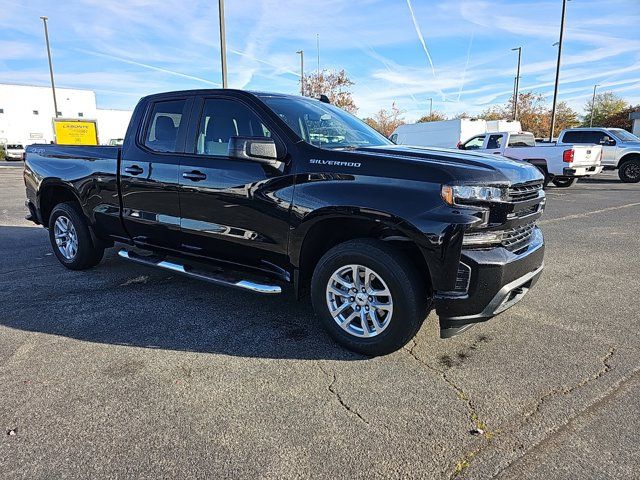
150	67
424	46
243	54
419	32
466	65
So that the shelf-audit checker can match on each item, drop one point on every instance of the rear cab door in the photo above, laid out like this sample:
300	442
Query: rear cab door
233	210
149	171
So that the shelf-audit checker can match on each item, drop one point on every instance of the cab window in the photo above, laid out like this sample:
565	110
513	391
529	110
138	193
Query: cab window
165	121
222	119
495	141
474	143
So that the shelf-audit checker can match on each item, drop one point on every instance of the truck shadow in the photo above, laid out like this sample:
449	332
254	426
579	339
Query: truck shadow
121	303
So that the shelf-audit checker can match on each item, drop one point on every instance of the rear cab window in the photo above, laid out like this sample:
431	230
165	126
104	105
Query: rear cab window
165	123
521	140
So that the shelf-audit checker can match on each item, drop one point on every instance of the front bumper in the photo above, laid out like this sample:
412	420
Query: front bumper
499	279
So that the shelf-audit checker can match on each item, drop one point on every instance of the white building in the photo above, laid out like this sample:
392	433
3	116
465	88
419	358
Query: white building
26	113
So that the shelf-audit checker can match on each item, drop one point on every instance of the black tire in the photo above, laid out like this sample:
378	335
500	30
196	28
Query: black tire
563	182
629	171
410	295
87	254
545	173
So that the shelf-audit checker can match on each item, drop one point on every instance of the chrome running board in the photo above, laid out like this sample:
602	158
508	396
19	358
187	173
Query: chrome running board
215	278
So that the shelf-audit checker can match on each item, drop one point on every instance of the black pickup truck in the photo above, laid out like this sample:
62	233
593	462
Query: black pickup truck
260	191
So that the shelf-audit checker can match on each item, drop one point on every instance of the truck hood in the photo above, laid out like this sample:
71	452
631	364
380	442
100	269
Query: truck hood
630	145
479	166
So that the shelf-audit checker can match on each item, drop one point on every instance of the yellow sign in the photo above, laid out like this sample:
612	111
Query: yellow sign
75	132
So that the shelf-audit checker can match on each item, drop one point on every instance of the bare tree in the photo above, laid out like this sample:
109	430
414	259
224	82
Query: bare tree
386	121
334	84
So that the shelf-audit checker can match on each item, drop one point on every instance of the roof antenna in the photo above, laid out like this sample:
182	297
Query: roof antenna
324	99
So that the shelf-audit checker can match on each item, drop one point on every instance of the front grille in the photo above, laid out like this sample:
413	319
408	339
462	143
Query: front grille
524	191
518	238
463	278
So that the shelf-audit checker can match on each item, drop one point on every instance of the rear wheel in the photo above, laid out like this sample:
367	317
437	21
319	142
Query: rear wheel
368	296
563	182
629	172
70	238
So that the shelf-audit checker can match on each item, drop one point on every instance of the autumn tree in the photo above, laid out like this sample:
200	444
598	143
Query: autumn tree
334	84
566	117
492	113
608	108
534	114
432	117
386	121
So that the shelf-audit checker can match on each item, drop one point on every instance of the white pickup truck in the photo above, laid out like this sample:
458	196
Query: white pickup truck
560	164
620	149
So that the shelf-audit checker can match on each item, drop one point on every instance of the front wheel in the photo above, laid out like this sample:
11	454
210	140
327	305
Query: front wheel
70	238
629	172
563	182
369	296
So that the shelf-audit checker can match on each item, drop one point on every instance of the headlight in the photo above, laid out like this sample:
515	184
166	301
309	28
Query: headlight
461	194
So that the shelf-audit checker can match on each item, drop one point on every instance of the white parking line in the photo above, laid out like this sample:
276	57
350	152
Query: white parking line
586	214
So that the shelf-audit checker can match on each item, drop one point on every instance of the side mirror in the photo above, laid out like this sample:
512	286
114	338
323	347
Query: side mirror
255	149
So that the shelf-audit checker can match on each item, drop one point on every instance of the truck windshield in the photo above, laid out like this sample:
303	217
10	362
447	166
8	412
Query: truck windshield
324	125
625	136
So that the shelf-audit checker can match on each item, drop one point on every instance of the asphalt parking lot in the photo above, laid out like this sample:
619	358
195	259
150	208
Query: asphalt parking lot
125	371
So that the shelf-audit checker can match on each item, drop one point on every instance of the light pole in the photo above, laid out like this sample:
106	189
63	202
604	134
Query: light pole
318	49
517	84
593	104
223	44
301	52
53	85
555	89
430	106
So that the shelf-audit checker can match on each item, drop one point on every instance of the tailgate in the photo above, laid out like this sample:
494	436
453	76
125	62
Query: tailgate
586	155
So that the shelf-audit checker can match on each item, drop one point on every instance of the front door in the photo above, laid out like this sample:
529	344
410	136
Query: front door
149	176
231	209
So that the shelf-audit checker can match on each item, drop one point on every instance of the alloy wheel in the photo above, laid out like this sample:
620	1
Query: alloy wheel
359	301
66	237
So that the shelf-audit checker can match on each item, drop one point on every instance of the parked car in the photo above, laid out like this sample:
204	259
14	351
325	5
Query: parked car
620	149
449	133
261	191
560	164
14	151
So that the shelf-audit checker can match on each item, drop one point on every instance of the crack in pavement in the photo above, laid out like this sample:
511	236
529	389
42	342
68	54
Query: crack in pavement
562	430
606	367
529	415
336	394
477	424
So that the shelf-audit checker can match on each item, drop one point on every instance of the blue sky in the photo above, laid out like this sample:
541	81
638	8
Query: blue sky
457	52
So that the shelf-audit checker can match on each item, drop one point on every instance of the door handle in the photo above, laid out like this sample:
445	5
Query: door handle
195	176
134	170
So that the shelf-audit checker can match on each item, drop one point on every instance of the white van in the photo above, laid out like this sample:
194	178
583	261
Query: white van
449	133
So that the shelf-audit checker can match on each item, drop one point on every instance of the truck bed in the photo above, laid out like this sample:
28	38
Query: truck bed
91	171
